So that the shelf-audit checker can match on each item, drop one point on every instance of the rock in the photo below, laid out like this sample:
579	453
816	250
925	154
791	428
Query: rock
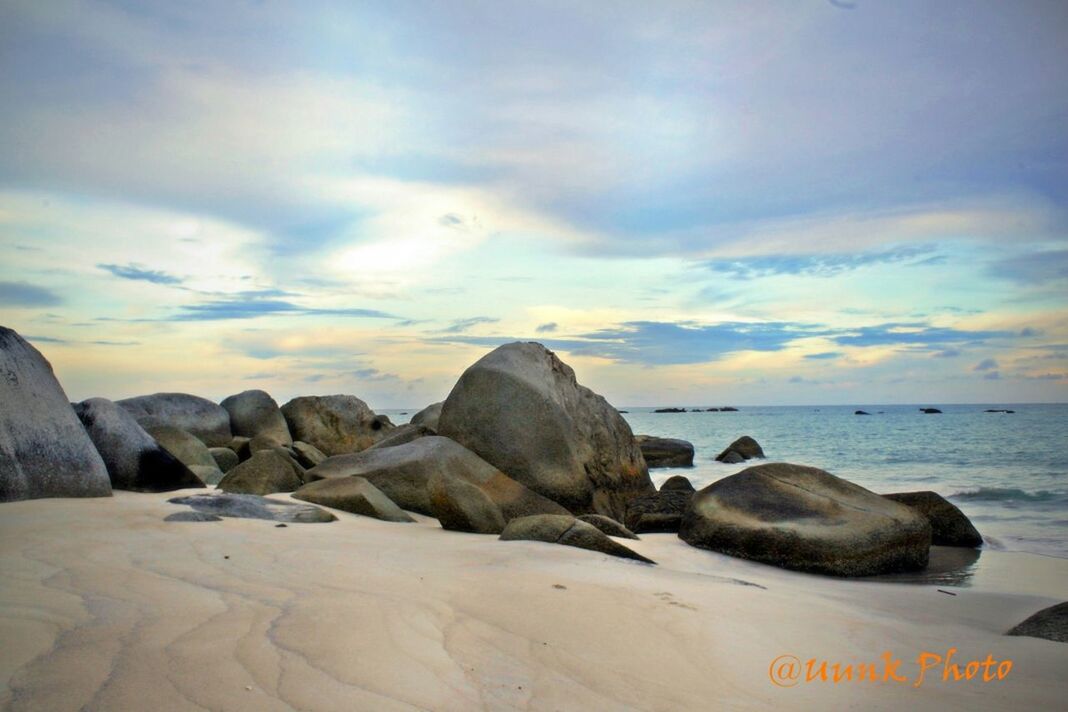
608	525
403	472
462	506
307	455
670	410
44	450
949	525
665	452
677	483
730	457
240	445
225	458
744	446
728	409
998	410
336	425
428	417
565	529
135	461
711	410
1049	623
208	475
521	409
190	450
209	422
861	412
806	519
266	472
192	516
355	495
660	512
254	413
265	442
403	434
250	506
930	411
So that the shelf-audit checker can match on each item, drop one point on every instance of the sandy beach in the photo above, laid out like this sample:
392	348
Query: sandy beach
106	606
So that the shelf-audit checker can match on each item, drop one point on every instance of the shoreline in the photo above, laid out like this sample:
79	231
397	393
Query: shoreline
111	606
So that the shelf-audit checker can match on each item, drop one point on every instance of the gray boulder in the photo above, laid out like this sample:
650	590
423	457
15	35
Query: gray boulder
307	455
192	516
240	445
1049	623
355	495
225	458
949	525
665	452
266	472
806	519
336	425
44	450
569	531
403	434
250	506
428	417
135	461
608	525
744	447
521	409
660	512
462	506
190	450
255	413
209	422
677	483
404	471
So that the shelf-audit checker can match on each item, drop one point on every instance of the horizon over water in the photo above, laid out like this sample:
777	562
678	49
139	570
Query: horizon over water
1007	472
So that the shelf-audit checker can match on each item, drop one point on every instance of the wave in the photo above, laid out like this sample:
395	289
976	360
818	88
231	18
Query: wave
1007	494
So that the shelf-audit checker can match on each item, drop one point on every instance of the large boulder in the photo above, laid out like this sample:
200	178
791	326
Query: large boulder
307	455
428	417
1049	623
44	450
806	519
193	453
403	473
949	525
608	525
266	472
521	409
254	413
569	531
659	512
336	425
250	506
665	452
209	422
403	434
677	483
355	495
462	506
134	459
744	448
225	458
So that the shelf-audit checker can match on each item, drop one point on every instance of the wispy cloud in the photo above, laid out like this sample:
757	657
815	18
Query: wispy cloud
23	294
825	356
252	305
987	364
820	265
1034	267
914	334
137	273
547	328
461	325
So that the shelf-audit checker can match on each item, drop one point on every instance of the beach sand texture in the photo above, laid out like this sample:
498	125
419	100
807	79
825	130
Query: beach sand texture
103	605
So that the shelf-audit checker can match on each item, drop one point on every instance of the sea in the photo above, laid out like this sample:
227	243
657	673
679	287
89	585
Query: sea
1008	472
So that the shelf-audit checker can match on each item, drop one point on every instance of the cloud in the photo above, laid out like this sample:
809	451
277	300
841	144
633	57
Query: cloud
45	339
461	325
914	334
250	305
987	364
135	272
22	294
992	375
546	328
826	355
1033	267
373	374
818	265
947	353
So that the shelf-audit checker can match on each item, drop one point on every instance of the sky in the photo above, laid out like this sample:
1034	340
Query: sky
693	203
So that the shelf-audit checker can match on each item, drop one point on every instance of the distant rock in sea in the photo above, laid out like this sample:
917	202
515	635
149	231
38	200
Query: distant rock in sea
861	412
665	452
930	411
670	410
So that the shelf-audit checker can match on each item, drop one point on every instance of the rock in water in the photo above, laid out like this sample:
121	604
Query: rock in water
250	506
565	529
336	425
428	417
404	471
665	452
806	519
134	459
949	525
355	495
266	472
521	409
744	447
208	422
44	450
255	413
1049	623
190	450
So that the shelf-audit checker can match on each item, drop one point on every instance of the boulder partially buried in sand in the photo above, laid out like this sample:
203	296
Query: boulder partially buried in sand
255	413
336	425
190	450
521	409
251	506
659	512
608	525
665	452
949	525
134	459
462	506
208	422
1049	623
266	472
569	531
355	495
44	450
806	519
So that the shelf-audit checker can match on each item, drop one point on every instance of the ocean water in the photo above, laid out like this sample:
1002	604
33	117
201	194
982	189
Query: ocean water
1007	472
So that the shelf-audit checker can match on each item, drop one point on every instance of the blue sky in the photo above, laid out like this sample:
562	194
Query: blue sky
709	203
